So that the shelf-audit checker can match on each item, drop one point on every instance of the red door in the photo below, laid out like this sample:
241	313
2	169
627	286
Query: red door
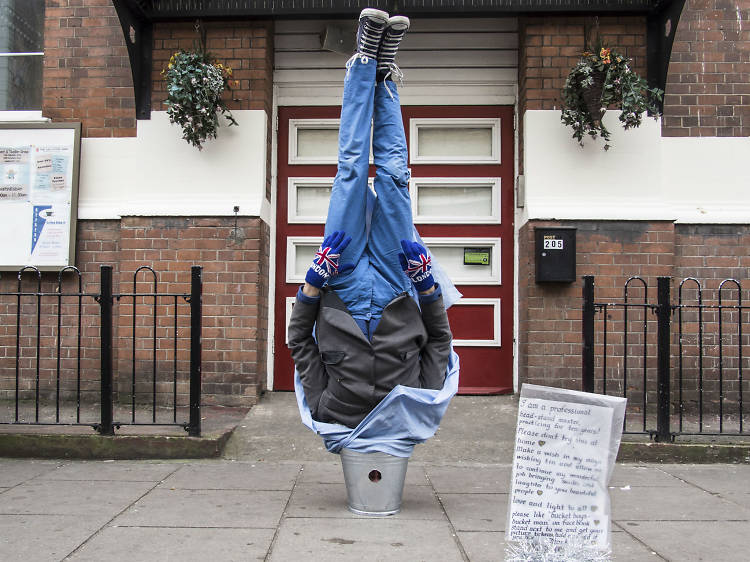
461	158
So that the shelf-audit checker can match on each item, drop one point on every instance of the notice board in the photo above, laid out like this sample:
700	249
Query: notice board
39	164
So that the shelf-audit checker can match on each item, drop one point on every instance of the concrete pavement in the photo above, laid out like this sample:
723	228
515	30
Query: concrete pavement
279	496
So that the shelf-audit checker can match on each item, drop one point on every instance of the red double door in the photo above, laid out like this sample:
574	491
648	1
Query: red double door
461	160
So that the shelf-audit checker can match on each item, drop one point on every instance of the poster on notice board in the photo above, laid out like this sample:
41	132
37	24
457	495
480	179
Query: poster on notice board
38	194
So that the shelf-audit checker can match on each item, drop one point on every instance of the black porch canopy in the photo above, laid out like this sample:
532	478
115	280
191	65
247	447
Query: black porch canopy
155	10
138	16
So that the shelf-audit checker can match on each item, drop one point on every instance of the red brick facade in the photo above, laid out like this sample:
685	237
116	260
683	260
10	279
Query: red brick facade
235	310
87	74
550	338
708	86
87	78
550	46
707	77
550	314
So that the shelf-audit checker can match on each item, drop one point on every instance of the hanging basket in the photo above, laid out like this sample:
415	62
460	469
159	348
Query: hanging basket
603	80
592	96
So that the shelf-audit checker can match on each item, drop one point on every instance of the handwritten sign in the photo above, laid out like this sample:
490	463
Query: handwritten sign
560	471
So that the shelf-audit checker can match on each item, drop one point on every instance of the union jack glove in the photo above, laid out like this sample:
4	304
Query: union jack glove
326	261
417	264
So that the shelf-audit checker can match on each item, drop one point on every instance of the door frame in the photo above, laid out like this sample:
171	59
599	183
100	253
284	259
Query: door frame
517	222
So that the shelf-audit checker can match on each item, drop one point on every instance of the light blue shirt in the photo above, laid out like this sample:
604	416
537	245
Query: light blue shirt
405	417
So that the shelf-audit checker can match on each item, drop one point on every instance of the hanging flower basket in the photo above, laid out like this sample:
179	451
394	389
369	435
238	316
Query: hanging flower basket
195	85
600	80
592	96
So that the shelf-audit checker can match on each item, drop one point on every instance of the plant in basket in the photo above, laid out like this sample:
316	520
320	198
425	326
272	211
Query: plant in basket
195	85
600	80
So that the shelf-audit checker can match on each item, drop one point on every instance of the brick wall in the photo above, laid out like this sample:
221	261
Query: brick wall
708	86
712	251
711	254
550	340
235	311
550	314
87	74
552	45
234	295
87	78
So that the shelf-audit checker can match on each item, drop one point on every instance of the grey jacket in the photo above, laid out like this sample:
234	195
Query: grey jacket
344	375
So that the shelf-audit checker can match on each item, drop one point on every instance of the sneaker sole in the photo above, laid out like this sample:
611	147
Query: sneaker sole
372	13
401	23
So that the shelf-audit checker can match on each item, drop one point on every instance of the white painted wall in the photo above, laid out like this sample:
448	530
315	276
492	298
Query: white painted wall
158	173
644	176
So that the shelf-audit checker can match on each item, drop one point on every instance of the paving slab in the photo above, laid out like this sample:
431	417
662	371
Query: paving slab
694	541
333	473
470	479
42	538
461	439
626	548
272	431
16	471
206	508
329	501
67	497
233	476
483	546
146	544
729	481
476	512
123	471
651	503
720	478
642	475
364	540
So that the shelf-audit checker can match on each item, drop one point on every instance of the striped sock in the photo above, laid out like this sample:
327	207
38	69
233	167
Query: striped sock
392	37
372	24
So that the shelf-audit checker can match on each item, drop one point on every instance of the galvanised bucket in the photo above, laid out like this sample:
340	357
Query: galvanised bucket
374	482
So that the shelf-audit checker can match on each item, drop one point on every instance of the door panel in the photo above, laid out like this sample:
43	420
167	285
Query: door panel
462	197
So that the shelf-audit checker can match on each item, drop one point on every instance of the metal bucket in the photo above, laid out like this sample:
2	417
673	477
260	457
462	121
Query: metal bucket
374	482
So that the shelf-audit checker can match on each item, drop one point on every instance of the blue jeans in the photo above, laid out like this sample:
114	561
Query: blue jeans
376	223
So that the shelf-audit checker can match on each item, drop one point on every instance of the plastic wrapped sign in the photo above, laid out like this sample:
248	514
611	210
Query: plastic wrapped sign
38	194
566	446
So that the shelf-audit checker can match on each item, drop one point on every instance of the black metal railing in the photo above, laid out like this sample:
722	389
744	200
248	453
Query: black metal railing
69	317
680	365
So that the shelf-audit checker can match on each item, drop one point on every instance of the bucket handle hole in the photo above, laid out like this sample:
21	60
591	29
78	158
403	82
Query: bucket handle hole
375	476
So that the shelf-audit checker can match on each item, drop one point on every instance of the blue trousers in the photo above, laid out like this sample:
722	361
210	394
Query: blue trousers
377	222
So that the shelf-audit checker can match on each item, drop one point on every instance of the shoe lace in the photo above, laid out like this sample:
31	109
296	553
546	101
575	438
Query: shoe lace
364	59
394	72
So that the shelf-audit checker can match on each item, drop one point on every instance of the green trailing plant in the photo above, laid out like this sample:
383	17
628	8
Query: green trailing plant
603	79
195	85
